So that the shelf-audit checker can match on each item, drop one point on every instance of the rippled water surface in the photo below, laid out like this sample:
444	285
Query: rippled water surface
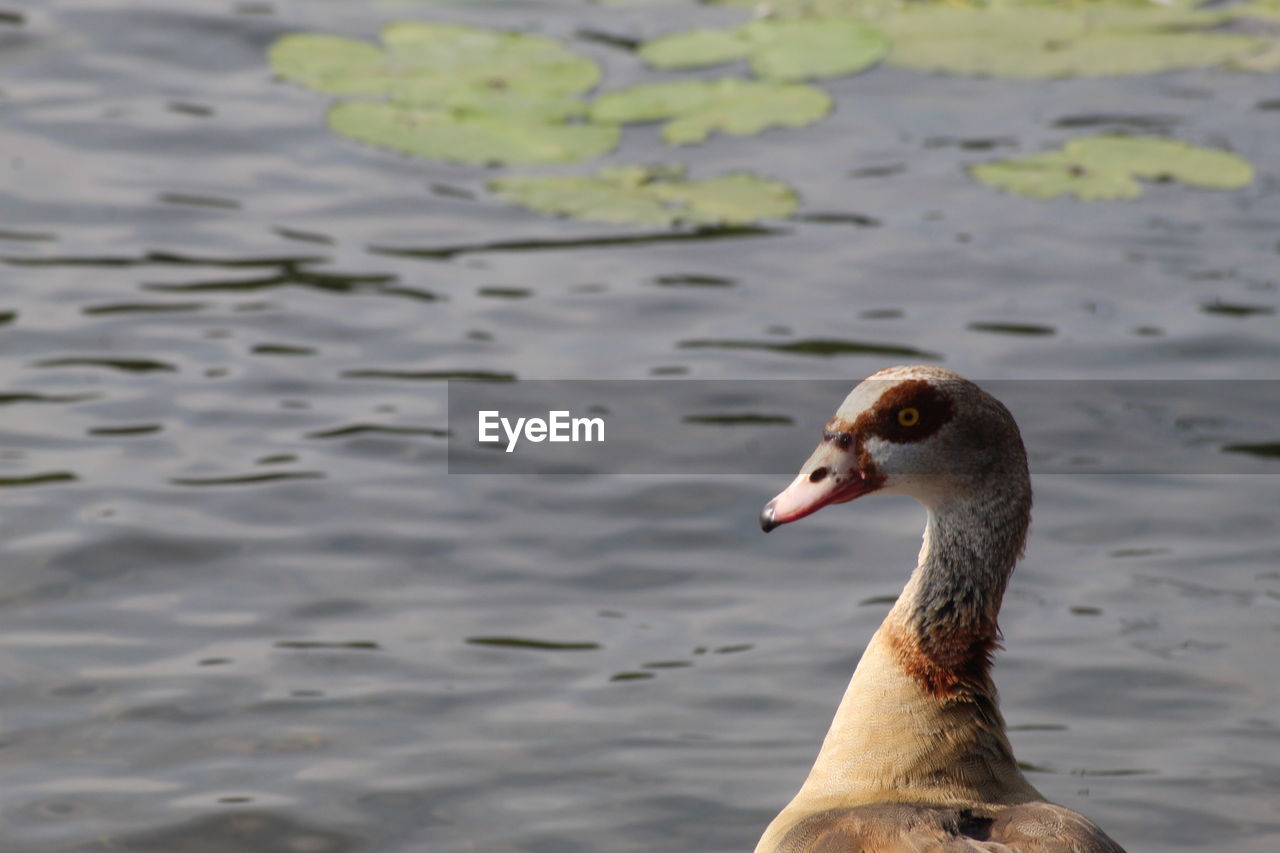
244	607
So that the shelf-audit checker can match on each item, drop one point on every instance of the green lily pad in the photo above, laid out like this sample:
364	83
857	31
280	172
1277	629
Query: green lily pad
793	9
780	50
456	93
1042	38
1164	159
465	137
1052	175
695	49
435	64
637	195
696	108
1087	41
874	10
1267	60
1101	168
1265	9
330	64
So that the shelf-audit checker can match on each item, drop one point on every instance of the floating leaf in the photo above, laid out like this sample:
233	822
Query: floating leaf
699	107
1265	9
1267	60
1164	159
873	10
651	196
1086	41
695	49
803	50
1035	38
332	64
1052	175
436	64
779	50
1100	168
793	9
478	138
456	93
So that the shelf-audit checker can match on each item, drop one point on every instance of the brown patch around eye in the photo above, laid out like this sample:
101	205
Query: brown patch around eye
848	436
911	410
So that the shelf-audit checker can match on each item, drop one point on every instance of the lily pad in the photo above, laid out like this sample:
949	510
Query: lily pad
695	49
1052	175
1091	40
1041	38
435	64
793	9
331	64
780	50
1265	9
464	137
637	195
873	10
1164	159
1267	60
451	92
696	108
1108	167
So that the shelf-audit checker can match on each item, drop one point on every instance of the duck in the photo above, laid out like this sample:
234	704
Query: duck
917	759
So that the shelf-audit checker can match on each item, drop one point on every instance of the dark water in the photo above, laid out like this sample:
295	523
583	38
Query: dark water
239	585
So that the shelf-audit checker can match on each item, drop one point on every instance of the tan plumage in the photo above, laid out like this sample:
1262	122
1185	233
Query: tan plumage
916	759
1029	828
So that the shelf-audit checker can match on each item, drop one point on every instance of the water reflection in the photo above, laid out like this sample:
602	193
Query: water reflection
822	348
551	244
127	365
289	274
1012	328
234	829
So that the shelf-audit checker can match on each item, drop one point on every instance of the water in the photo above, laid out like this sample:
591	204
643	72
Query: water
239	585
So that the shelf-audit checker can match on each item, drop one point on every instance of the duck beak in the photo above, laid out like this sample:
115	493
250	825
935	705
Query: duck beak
831	476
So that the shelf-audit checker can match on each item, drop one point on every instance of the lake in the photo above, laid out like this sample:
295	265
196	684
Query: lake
245	605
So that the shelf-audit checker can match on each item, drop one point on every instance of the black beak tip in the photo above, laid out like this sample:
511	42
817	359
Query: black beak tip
766	518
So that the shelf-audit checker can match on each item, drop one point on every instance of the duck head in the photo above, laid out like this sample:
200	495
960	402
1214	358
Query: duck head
922	431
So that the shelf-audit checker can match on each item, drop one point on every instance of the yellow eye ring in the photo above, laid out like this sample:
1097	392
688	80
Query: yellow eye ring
908	417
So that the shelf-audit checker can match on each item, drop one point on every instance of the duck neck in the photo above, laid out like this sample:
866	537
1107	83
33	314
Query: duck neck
919	721
944	629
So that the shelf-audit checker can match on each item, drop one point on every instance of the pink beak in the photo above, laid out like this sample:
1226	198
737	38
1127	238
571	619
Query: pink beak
831	476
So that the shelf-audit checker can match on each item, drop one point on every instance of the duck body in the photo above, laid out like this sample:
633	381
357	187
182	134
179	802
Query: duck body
916	759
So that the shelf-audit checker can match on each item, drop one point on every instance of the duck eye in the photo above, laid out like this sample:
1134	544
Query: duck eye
908	417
